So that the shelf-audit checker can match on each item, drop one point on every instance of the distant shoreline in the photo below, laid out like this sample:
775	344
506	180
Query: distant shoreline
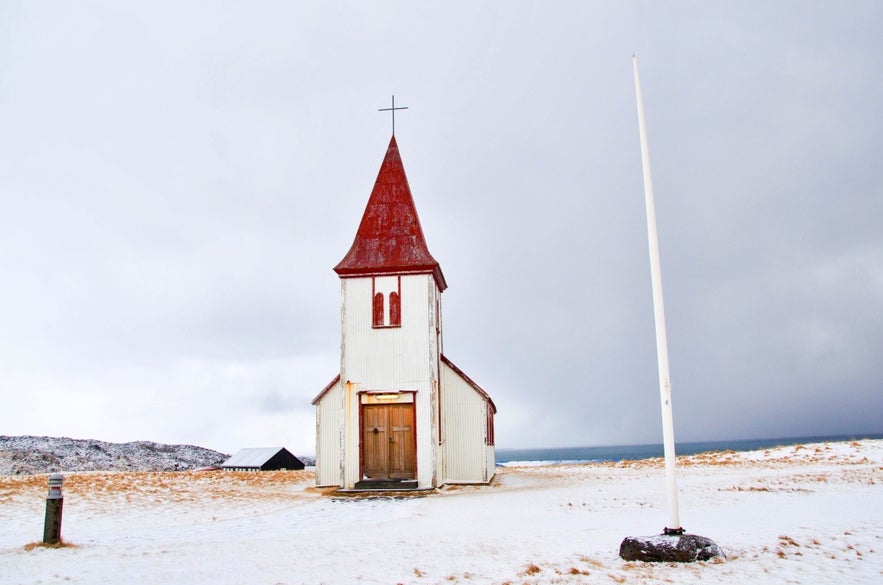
560	455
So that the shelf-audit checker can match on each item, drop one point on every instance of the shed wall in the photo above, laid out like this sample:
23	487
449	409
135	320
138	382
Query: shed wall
284	459
464	413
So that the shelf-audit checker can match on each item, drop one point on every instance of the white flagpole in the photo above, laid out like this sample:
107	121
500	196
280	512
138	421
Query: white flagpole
659	314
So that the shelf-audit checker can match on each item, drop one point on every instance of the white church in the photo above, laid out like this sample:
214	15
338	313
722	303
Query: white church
400	414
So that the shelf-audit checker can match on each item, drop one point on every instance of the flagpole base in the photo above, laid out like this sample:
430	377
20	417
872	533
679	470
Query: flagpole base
673	546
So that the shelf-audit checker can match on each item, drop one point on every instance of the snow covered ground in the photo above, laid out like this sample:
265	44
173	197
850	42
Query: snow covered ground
800	514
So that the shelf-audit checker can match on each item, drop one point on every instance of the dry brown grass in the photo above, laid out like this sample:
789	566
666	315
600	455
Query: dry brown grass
775	458
575	571
15	484
786	542
531	569
61	544
163	487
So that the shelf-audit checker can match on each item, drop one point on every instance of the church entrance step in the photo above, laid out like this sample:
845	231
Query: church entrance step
387	484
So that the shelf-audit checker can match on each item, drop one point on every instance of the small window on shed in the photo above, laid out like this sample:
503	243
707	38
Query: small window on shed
378	310
395	309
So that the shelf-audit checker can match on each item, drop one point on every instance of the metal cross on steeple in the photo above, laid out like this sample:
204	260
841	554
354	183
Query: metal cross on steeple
393	110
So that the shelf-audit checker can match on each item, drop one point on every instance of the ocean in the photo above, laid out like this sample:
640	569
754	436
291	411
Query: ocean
622	452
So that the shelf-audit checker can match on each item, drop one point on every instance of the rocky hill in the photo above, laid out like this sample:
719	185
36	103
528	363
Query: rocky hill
30	455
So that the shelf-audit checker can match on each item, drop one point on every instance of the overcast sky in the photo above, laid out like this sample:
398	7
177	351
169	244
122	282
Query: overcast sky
178	179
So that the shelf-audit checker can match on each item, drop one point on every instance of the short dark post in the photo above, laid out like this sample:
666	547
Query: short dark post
54	502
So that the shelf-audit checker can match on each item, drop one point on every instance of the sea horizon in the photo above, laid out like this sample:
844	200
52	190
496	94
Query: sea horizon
553	455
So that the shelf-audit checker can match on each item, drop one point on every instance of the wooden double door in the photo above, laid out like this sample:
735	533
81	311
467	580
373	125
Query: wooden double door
388	441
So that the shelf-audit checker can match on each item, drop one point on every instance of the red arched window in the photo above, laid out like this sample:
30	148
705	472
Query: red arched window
378	310
395	309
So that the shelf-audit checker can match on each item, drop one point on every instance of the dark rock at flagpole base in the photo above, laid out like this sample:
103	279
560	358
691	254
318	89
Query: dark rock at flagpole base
669	548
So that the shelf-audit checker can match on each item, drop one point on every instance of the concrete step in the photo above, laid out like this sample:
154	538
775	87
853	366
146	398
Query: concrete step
387	484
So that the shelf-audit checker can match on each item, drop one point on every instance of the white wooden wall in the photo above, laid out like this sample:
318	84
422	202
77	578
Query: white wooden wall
402	358
468	459
329	437
393	358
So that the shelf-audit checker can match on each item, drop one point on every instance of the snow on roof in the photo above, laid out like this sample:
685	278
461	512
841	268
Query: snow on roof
251	457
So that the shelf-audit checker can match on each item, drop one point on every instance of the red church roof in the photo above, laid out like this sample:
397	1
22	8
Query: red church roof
390	239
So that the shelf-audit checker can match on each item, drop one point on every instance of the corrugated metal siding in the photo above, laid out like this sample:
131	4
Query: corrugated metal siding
395	358
434	336
388	358
465	420
491	462
329	436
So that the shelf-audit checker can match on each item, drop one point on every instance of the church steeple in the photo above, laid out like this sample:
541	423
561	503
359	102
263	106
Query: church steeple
389	239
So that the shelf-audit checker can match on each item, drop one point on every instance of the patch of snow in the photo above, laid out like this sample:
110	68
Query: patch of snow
540	463
786	515
29	455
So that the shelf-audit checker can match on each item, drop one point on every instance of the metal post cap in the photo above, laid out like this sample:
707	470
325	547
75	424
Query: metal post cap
55	482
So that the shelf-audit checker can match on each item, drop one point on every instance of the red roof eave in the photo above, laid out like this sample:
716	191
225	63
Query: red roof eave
469	381
435	271
325	390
